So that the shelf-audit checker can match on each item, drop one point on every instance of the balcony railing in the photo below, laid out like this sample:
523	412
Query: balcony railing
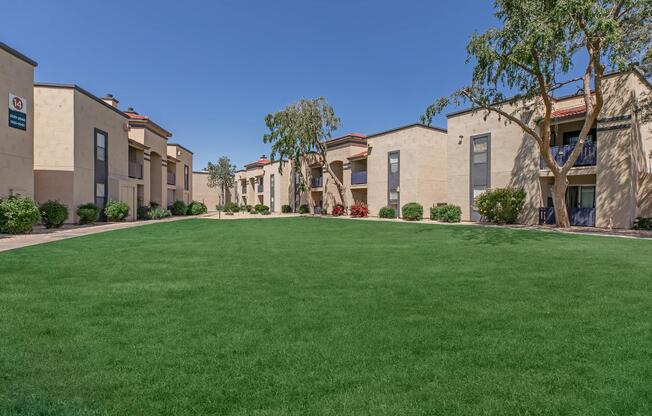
583	217
244	190
588	157
261	188
359	178
317	181
135	170
172	178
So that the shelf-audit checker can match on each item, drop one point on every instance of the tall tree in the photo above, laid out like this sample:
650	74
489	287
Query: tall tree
299	132
534	53
222	175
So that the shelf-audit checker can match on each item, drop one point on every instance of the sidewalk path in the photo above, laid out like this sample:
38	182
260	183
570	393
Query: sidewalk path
41	235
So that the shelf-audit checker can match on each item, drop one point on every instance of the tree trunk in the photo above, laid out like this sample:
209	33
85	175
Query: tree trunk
559	200
338	184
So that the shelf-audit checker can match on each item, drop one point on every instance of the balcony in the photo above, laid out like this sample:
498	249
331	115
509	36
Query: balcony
135	170
582	217
261	188
359	178
588	157
317	181
172	178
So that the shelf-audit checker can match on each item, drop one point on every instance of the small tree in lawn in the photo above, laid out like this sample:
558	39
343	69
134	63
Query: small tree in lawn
221	175
533	54
298	133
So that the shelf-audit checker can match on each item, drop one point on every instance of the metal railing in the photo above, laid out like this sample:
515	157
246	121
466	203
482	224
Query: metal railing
583	217
261	188
317	181
588	157
359	178
135	170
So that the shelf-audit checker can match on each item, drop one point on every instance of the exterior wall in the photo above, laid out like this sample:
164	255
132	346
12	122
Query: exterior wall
155	166
16	146
201	192
64	153
185	159
423	168
282	185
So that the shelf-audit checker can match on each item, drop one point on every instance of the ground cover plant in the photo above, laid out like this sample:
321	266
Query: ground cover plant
404	321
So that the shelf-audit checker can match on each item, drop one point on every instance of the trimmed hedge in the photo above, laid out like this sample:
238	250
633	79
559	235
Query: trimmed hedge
53	214
88	213
116	211
501	205
261	207
286	209
159	213
231	207
179	208
446	213
387	212
18	215
197	208
303	209
412	211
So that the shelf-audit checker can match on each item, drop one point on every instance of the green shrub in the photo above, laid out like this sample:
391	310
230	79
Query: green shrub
53	214
159	213
261	207
231	207
197	208
264	212
245	208
116	211
412	211
286	209
387	212
18	215
144	213
253	211
446	213
303	209
501	205
643	223
179	208
88	213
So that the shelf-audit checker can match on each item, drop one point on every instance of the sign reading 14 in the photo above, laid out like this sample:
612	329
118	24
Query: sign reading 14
17	112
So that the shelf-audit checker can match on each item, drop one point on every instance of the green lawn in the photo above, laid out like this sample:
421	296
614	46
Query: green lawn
307	316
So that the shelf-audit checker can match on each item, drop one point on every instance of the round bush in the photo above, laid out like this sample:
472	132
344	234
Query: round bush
18	215
159	213
387	212
144	213
53	214
179	208
88	213
286	209
338	210
412	211
231	207
261	207
116	211
446	213
501	205
359	210
197	208
303	209
264	212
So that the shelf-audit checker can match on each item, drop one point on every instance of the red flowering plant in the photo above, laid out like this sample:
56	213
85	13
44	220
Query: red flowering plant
338	210
359	210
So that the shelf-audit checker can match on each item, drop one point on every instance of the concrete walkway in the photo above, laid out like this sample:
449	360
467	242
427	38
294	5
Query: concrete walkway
42	235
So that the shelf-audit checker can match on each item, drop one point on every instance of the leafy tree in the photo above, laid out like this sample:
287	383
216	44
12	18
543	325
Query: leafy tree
221	175
298	133
534	53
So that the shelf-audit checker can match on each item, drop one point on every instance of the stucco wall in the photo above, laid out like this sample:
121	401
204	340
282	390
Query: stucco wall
16	146
423	155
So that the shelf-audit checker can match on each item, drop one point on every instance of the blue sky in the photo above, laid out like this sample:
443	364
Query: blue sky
210	71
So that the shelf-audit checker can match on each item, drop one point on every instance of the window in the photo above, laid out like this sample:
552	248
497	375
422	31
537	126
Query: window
393	163
186	177
480	150
570	137
100	144
582	196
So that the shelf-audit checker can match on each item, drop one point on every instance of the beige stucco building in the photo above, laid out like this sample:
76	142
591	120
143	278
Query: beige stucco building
81	149
16	123
179	174
264	182
610	184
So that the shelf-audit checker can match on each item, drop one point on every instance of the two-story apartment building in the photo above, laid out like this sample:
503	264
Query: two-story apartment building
16	123
81	149
609	185
179	176
263	182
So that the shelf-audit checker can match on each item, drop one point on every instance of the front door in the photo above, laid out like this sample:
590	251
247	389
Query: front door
101	170
271	193
394	182
480	171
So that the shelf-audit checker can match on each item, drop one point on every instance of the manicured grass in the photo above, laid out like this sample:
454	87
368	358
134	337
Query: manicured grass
309	316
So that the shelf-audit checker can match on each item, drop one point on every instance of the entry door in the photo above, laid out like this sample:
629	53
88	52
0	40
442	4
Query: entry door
394	181
101	170
480	171
271	193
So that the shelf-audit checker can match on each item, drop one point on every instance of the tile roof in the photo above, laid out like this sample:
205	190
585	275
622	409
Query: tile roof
259	162
571	111
361	155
